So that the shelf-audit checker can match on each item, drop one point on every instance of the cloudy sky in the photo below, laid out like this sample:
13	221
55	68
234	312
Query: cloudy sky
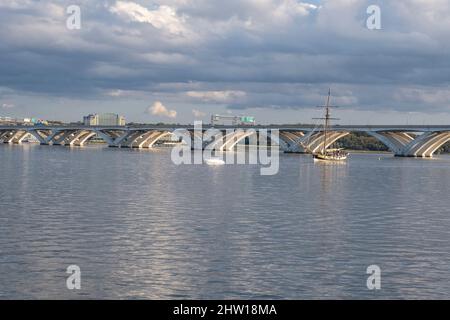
180	60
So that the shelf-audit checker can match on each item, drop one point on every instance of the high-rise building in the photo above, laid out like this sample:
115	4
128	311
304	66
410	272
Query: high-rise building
105	119
90	120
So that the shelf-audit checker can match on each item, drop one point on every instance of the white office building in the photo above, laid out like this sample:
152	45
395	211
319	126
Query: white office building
105	119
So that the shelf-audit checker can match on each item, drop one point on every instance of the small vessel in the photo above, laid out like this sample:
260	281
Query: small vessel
214	162
325	154
331	155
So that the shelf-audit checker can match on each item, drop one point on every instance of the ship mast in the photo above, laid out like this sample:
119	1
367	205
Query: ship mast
327	119
327	122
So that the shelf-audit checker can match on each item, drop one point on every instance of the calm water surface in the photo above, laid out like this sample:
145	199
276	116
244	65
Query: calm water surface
140	227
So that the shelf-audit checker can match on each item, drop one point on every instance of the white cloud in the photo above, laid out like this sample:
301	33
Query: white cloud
16	4
166	58
8	105
216	96
292	7
115	93
118	93
158	109
164	17
437	97
198	113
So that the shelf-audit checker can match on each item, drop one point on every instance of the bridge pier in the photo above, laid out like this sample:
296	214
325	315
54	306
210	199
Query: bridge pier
428	145
134	137
41	136
228	141
292	141
140	139
15	137
405	145
84	138
150	142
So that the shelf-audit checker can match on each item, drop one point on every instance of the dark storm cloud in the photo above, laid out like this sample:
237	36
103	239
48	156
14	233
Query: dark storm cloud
268	53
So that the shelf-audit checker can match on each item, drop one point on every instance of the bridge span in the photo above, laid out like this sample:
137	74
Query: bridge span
408	141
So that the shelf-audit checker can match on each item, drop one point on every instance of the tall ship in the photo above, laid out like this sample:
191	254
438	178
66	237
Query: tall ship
325	153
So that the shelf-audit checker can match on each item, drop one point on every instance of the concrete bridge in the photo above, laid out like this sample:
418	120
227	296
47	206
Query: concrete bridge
408	141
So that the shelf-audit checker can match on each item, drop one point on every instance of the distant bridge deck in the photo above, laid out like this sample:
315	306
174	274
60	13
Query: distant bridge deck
402	140
293	127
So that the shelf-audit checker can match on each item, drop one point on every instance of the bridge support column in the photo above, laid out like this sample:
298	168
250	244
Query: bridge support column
150	141
397	142
79	138
42	138
4	135
114	139
16	137
291	142
315	142
403	144
83	139
427	144
63	137
228	141
140	138
235	138
132	137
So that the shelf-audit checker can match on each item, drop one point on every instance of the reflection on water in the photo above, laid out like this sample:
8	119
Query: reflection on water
141	227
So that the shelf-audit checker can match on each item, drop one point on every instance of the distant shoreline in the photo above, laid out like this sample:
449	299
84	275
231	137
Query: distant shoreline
368	151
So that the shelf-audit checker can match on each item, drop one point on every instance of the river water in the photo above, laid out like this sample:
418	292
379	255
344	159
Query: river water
140	227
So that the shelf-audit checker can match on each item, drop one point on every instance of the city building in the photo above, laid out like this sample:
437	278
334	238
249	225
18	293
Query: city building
105	119
7	120
90	120
235	120
23	121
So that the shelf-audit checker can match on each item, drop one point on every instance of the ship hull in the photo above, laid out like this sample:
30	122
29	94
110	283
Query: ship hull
329	158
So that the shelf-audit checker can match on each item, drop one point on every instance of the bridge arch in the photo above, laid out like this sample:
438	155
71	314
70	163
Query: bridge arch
41	137
315	142
79	138
233	138
391	141
15	136
219	138
152	139
22	137
429	144
444	138
405	144
237	137
291	141
84	138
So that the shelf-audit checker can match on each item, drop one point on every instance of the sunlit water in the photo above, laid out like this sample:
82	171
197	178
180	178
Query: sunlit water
140	227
